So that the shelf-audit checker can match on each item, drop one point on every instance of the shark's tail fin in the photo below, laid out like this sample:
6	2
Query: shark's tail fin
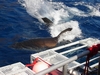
68	29
47	21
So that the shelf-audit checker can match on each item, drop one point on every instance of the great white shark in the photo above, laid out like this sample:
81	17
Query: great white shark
39	42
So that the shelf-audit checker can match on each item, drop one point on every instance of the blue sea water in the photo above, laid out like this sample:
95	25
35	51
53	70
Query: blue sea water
19	22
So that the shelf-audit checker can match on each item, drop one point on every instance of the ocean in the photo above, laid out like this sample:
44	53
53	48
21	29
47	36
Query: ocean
21	20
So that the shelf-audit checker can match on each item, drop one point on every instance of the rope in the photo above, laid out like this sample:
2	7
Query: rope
93	51
34	62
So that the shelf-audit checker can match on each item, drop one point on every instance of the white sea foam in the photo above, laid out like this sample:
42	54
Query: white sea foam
60	14
91	42
70	35
37	8
94	10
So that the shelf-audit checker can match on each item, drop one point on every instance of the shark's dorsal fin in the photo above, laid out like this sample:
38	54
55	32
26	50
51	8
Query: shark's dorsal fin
47	21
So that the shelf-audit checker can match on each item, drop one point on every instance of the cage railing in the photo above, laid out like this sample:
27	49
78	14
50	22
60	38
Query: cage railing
65	62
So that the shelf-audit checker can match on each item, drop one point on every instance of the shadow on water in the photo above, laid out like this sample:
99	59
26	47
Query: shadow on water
9	55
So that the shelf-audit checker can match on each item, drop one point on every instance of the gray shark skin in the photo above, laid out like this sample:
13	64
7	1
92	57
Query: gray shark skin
39	42
47	21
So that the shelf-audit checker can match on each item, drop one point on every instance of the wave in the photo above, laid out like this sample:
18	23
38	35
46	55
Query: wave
61	15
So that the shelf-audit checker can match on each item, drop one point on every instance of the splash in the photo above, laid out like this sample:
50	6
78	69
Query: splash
55	30
93	10
60	14
91	42
37	8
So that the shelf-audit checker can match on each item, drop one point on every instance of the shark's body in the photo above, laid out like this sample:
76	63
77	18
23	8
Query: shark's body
40	42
